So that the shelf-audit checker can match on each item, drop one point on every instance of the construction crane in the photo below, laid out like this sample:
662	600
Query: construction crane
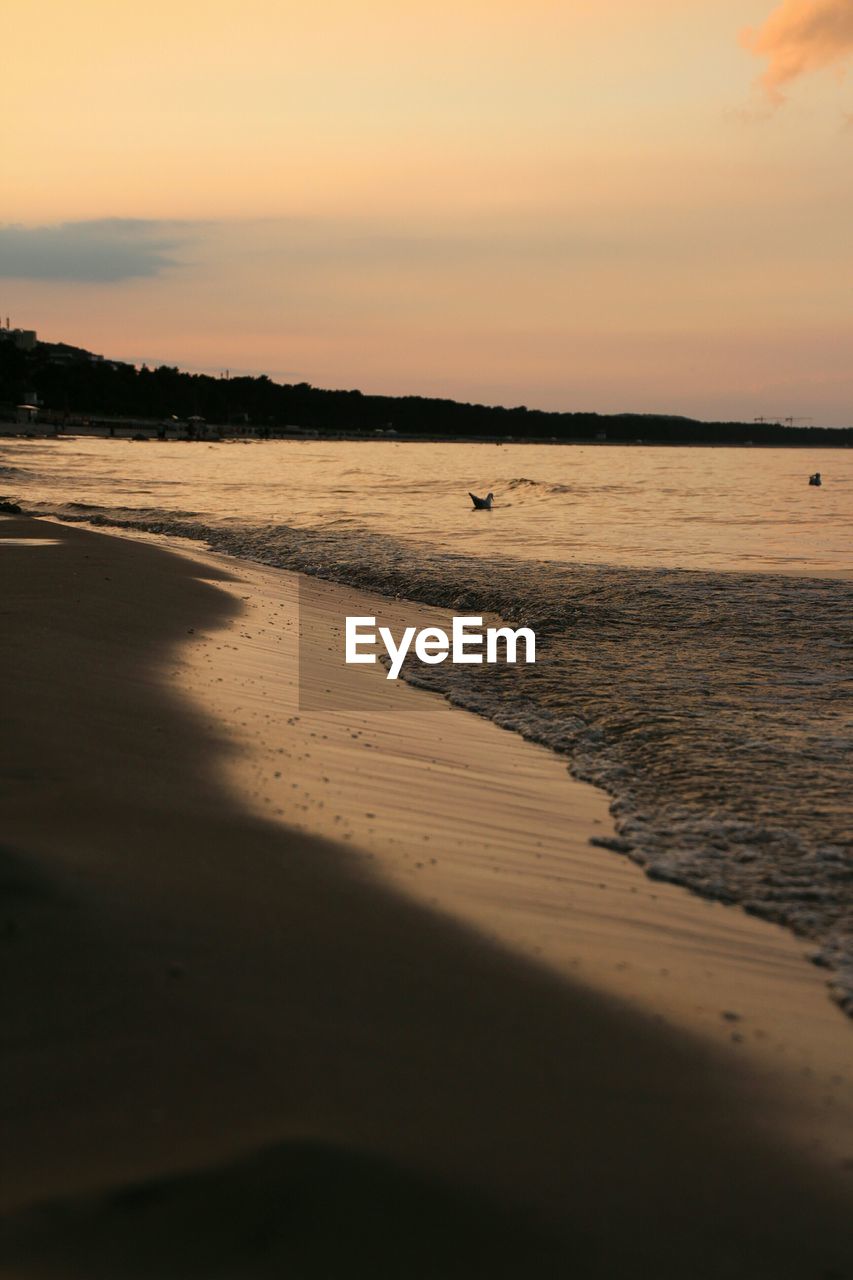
778	419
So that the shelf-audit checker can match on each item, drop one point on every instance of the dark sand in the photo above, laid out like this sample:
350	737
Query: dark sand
227	1052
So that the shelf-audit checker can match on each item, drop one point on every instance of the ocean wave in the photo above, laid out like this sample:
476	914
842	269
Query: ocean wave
96	513
522	482
714	708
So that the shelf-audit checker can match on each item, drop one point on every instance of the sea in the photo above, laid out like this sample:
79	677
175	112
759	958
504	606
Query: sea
693	610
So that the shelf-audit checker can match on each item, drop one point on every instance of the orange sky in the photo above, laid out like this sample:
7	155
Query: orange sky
593	204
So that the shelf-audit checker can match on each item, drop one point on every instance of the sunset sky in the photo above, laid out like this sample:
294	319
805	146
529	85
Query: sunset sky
576	204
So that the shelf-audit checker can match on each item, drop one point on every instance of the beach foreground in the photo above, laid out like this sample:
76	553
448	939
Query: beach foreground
231	1048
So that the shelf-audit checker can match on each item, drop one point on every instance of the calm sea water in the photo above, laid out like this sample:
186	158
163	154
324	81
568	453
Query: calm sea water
693	610
658	507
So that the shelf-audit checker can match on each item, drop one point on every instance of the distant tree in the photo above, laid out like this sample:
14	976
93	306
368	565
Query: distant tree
69	379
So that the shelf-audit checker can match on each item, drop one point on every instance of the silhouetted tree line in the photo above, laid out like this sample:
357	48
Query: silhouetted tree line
69	380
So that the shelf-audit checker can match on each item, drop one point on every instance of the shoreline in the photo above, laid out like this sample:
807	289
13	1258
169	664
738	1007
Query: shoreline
132	431
673	690
400	774
189	982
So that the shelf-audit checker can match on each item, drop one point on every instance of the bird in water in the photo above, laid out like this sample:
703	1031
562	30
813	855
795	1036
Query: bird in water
815	479
482	504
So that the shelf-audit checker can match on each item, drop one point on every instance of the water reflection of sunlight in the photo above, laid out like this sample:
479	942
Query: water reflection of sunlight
622	505
28	542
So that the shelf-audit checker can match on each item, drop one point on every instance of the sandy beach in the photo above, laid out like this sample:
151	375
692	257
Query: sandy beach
235	1047
426	600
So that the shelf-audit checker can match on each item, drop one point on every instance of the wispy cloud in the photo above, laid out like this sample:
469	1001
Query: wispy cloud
99	251
801	36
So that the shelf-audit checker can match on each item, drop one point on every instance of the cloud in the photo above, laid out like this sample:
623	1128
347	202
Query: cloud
801	36
101	251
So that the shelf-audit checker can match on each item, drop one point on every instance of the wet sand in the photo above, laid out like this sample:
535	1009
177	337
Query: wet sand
233	1048
458	814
